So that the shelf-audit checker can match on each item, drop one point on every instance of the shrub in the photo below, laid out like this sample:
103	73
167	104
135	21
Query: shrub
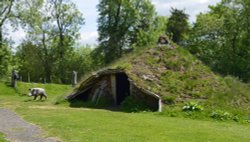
223	115
169	100
192	106
248	119
130	104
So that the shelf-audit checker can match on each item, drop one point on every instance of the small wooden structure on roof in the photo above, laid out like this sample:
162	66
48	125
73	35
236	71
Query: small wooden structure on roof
113	86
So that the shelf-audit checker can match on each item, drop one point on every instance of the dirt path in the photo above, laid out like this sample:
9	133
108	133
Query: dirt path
17	130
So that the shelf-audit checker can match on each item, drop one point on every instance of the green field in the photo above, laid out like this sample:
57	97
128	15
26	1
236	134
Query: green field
95	125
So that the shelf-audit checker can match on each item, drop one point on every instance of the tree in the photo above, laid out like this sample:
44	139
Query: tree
52	26
221	38
178	25
11	12
5	13
205	38
39	28
4	60
31	65
68	21
81	60
150	36
119	23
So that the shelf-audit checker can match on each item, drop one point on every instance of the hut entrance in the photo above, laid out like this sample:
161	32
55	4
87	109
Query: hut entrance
83	95
122	87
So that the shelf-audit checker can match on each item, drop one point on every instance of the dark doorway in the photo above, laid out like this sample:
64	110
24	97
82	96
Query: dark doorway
83	96
122	87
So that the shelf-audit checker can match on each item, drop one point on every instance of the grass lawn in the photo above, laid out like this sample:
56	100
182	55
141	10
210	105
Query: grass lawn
94	125
76	125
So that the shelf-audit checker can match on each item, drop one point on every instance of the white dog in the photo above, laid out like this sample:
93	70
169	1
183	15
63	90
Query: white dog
37	92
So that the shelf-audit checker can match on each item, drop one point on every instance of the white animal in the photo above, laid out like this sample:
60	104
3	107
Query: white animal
37	92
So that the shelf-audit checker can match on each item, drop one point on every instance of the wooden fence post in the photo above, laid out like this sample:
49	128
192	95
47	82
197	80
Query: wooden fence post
74	78
14	78
29	77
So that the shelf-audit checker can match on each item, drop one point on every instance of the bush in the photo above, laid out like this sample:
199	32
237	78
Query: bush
223	115
130	104
248	119
169	100
192	106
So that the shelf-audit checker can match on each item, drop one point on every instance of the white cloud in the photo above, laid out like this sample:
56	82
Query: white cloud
88	31
15	35
192	7
89	37
203	1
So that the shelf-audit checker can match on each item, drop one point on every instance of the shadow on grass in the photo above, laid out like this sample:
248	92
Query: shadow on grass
32	100
115	108
17	90
8	84
82	104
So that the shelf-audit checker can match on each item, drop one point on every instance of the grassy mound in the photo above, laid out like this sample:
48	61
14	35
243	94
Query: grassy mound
178	77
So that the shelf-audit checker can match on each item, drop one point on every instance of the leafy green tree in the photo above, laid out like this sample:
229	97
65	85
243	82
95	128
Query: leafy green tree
30	64
52	26
81	60
4	60
119	23
221	38
205	38
178	25
68	21
13	12
5	14
39	27
150	36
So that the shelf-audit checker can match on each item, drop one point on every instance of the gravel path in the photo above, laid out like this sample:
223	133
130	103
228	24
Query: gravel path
18	130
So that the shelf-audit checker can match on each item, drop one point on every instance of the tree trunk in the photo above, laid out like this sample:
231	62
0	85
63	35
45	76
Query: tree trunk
62	58
46	61
1	37
116	25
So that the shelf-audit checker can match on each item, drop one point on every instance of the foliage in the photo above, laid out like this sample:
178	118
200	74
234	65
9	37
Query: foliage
177	25
79	60
248	119
52	28
31	65
150	36
120	24
130	104
220	38
192	106
4	60
169	100
68	21
222	115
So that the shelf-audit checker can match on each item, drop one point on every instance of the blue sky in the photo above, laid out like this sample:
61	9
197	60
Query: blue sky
89	32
